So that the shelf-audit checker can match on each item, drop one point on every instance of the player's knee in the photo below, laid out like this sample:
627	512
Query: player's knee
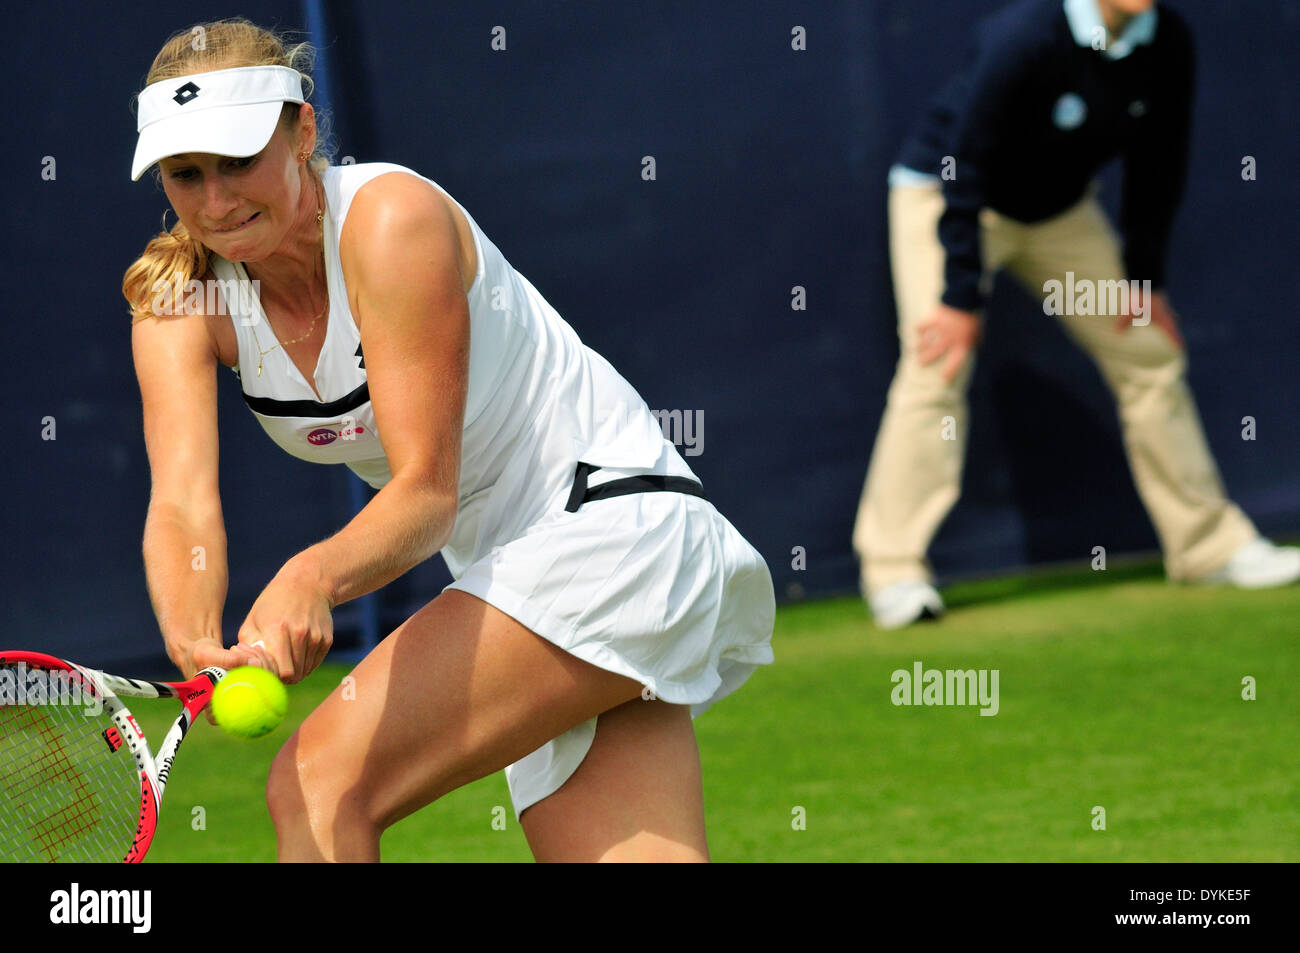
305	785
285	798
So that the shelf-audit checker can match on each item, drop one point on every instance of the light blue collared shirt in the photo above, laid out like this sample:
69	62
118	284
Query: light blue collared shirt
900	176
1087	24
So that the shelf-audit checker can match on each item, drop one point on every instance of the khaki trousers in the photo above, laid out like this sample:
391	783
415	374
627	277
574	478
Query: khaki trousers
915	473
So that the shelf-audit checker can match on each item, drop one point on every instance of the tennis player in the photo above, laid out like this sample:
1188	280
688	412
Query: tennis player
600	601
1000	175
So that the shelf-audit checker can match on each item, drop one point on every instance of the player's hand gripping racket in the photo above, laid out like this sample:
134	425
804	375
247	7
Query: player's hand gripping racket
77	780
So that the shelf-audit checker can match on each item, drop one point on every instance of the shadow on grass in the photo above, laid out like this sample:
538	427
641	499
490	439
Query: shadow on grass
976	592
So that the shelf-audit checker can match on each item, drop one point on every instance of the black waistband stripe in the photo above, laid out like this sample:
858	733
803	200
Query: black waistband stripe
645	483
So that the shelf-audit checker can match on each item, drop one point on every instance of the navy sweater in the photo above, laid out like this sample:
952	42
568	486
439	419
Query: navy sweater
1021	151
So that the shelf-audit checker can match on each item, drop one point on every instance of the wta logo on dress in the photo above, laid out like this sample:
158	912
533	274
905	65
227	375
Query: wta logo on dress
324	436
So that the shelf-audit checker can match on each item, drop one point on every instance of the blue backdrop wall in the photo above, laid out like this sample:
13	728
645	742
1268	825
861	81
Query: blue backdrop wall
770	166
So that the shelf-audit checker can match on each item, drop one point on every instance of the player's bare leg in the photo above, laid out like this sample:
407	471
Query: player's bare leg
637	796
457	692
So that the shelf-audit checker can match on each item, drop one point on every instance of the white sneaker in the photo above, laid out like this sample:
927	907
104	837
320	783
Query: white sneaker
1259	565
904	603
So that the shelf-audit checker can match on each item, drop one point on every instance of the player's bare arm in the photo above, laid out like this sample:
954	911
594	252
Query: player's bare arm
175	365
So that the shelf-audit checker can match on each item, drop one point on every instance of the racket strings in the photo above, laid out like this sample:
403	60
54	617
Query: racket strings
65	795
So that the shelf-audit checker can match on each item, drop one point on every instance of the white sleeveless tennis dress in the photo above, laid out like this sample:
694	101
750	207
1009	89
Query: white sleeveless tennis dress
657	586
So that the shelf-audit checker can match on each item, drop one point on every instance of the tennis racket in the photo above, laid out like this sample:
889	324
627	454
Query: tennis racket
77	780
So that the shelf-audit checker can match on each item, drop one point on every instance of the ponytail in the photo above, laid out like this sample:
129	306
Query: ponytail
155	283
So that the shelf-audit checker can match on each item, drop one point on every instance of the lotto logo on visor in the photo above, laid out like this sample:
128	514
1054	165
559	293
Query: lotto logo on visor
185	93
229	112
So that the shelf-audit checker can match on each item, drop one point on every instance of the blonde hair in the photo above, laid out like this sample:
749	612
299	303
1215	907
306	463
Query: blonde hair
172	258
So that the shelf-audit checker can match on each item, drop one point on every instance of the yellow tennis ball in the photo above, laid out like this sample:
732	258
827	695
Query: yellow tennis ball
249	701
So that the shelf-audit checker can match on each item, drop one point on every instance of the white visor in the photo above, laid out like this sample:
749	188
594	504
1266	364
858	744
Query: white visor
228	112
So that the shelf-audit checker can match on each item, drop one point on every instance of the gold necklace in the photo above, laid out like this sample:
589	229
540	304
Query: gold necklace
320	220
303	337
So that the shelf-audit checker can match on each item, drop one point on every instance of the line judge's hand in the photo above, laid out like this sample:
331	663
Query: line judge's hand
291	624
950	334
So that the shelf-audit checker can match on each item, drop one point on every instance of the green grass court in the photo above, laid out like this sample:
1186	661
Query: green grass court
1116	690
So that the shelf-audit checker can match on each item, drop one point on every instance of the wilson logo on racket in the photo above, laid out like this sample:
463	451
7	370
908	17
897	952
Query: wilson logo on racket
63	797
113	737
